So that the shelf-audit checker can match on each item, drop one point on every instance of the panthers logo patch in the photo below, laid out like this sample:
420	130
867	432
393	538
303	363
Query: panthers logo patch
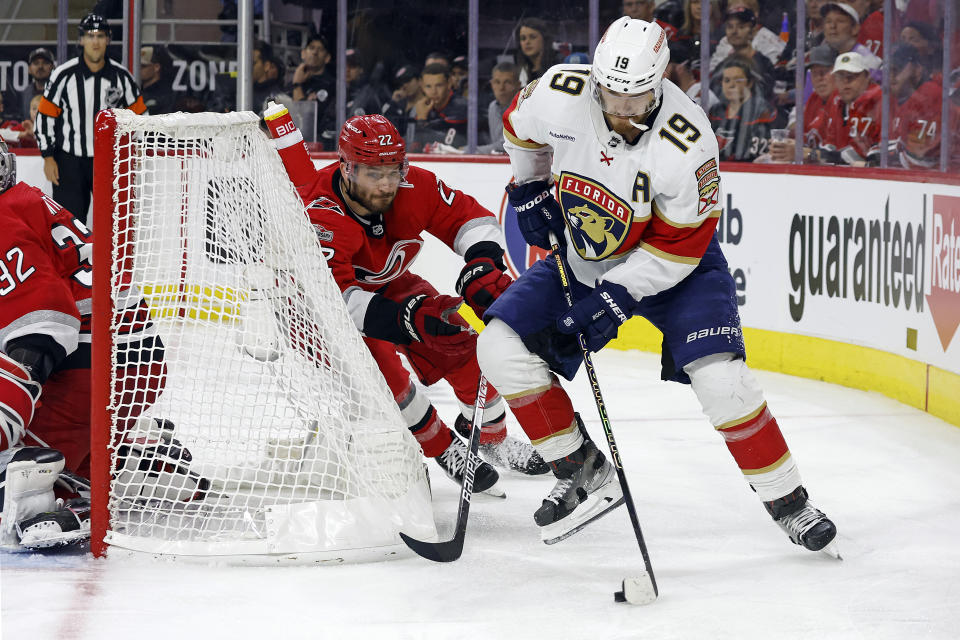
599	220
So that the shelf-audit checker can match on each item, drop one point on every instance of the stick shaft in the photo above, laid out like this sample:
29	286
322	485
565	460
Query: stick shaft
604	419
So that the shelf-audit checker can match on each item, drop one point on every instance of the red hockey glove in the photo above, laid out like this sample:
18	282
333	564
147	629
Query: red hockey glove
428	320
482	279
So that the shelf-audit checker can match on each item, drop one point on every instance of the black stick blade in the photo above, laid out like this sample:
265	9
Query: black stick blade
437	551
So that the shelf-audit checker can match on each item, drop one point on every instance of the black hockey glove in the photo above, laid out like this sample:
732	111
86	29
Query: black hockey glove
599	315
538	212
482	279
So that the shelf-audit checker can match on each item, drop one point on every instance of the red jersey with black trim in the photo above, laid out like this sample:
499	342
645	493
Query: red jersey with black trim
871	33
854	129
916	126
366	253
46	278
640	214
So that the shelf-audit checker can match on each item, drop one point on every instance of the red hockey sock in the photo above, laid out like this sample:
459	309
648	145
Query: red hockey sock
755	441
494	432
544	413
432	434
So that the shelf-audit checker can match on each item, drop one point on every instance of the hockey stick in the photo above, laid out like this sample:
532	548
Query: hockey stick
643	589
450	550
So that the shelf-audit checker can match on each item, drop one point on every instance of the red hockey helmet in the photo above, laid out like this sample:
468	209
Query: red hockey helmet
372	140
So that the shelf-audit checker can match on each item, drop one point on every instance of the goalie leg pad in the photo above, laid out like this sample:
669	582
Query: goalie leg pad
27	476
18	399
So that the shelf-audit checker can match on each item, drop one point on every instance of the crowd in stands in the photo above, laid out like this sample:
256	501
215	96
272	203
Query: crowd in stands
753	102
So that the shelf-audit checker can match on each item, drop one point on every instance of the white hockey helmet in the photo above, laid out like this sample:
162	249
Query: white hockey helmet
628	67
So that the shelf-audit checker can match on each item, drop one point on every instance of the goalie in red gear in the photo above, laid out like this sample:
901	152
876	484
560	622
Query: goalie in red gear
369	211
45	306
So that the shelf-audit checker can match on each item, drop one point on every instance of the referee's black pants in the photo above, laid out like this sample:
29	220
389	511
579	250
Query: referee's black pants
76	184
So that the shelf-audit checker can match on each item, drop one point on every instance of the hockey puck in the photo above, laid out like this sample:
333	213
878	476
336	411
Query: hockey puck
619	597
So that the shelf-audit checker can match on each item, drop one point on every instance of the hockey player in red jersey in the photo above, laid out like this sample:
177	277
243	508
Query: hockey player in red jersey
45	306
369	211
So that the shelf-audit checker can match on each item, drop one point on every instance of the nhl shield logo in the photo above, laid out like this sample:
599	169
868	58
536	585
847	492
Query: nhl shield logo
598	219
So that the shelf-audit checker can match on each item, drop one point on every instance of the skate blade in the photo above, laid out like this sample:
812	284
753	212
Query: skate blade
832	550
495	491
599	504
38	543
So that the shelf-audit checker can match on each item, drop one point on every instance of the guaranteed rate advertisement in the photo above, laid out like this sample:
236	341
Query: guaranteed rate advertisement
868	262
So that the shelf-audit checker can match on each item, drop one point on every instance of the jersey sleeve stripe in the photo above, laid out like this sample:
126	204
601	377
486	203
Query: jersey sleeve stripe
668	256
524	144
684	225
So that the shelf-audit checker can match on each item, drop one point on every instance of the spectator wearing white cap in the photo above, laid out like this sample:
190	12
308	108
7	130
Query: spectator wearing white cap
851	122
841	28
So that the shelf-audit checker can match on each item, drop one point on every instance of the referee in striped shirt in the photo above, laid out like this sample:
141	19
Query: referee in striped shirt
75	92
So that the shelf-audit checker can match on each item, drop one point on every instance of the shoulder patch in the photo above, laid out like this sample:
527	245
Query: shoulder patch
323	234
708	185
527	91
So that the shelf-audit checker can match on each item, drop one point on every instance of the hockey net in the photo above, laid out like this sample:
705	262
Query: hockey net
272	434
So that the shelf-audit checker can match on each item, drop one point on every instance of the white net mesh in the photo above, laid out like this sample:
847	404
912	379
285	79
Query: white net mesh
269	385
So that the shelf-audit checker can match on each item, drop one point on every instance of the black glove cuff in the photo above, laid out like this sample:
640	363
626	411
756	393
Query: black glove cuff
486	249
382	321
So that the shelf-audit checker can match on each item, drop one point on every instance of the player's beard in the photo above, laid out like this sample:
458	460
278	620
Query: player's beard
372	201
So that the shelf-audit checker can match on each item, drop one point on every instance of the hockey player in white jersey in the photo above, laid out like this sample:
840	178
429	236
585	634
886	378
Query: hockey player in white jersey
622	166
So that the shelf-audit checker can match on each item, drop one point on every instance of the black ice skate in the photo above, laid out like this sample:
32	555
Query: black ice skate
512	453
586	489
453	461
806	525
70	524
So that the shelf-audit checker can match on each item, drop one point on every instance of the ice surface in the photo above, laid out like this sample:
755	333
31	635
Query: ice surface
887	474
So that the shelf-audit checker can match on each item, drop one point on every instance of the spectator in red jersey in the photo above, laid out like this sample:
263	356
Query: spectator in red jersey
917	102
19	133
441	115
820	61
742	118
871	25
851	122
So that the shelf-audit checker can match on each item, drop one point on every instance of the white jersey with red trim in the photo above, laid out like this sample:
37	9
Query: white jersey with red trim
642	214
